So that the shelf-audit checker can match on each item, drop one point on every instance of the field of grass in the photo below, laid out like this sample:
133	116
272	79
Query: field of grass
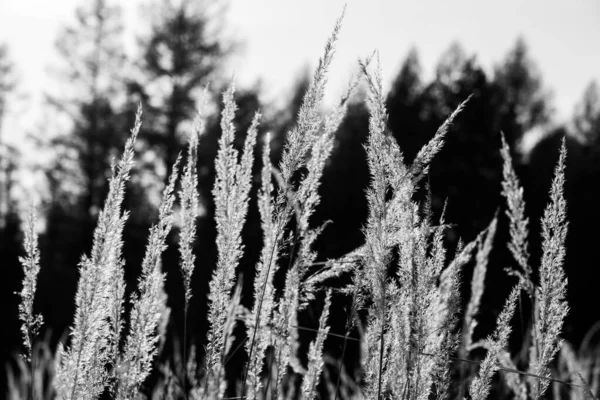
403	293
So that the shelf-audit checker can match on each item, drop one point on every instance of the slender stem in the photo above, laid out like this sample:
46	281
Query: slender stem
346	334
381	345
32	369
292	253
256	323
277	376
185	313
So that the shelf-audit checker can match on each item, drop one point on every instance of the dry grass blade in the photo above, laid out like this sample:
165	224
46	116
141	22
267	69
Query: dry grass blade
148	305
31	323
82	373
513	192
420	166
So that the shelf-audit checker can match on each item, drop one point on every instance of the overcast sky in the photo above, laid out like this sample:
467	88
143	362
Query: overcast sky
282	36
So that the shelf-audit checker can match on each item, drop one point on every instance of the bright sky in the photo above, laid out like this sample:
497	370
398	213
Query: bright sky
283	36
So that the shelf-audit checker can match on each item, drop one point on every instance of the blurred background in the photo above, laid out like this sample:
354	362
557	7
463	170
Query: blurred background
72	73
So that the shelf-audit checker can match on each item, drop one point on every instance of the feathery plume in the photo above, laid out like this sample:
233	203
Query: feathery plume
189	199
231	191
300	139
513	192
315	353
149	304
551	304
420	166
311	135
82	372
31	322
481	385
407	330
484	248
263	281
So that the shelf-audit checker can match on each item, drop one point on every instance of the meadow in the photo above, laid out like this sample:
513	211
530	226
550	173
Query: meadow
403	292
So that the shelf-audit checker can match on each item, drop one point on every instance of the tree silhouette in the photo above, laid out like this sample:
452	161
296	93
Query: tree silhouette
91	95
7	154
180	54
524	102
93	61
466	172
9	221
405	106
7	79
587	115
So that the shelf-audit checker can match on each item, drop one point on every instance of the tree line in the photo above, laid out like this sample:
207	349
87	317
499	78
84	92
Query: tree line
179	55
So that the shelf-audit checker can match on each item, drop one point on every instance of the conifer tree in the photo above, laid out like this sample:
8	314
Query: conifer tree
7	84
587	115
180	55
91	86
88	101
404	102
9	222
523	100
473	135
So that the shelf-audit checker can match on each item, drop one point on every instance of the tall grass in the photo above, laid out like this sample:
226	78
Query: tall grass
406	308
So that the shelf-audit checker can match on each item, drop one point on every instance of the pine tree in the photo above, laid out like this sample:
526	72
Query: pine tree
180	55
587	115
7	84
89	73
10	232
93	57
470	151
7	80
405	102
523	100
